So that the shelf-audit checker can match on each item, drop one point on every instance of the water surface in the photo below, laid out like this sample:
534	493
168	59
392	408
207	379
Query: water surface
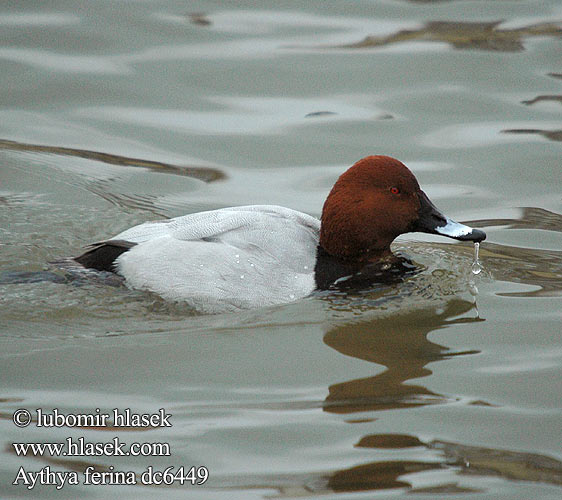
113	113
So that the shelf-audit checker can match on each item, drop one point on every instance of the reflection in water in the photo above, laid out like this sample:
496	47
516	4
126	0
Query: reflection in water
476	460
378	475
400	343
317	114
453	459
199	19
205	174
503	463
460	35
553	135
463	459
390	441
544	98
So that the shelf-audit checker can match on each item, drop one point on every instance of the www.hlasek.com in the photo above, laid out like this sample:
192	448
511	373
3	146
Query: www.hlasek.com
80	447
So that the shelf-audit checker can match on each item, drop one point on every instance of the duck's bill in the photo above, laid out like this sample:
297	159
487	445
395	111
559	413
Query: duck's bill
431	220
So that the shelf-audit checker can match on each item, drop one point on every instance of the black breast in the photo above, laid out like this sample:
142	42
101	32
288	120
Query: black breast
329	270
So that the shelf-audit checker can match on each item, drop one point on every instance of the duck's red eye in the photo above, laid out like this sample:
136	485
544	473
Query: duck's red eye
394	190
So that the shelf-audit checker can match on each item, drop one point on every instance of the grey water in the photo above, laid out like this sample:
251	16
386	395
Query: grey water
113	113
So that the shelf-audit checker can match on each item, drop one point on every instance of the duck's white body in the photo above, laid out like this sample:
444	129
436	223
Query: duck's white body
224	260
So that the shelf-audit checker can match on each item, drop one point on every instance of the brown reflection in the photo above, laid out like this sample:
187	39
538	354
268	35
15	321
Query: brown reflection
490	462
543	98
372	476
463	35
529	266
199	19
378	475
400	343
205	174
456	458
453	459
553	135
474	460
507	464
390	441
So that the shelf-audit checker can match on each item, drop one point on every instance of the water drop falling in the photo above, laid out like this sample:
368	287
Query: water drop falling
476	267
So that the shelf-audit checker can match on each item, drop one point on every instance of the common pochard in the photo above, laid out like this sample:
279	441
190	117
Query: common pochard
259	255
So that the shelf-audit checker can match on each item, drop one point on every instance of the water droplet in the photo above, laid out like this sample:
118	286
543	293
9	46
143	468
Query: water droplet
251	264
237	256
476	267
306	267
242	276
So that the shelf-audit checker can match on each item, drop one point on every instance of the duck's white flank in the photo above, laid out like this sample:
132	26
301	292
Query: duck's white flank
224	260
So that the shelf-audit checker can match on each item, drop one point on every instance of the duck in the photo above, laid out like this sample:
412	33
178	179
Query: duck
254	256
